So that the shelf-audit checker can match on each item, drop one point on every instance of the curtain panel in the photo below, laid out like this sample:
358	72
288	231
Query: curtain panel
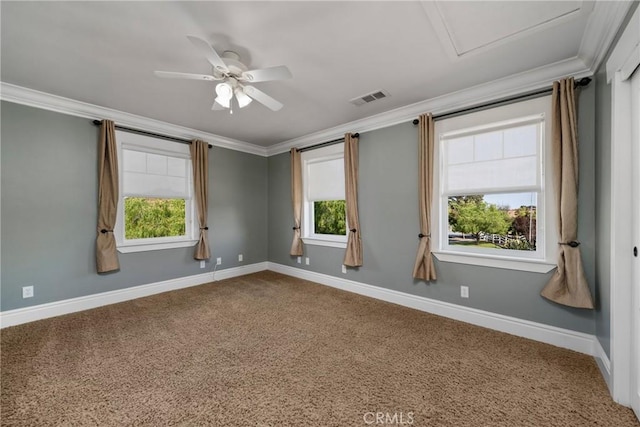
296	202
353	253
424	268
568	285
108	193
200	164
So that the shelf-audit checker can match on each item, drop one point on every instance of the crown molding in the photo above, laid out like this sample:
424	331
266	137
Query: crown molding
626	53
527	81
46	101
603	25
601	29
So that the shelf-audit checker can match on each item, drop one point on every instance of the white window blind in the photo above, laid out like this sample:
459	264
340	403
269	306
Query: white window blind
155	175
505	160
326	180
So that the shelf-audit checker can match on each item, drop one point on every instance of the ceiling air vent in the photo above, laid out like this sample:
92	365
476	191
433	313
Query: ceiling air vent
370	97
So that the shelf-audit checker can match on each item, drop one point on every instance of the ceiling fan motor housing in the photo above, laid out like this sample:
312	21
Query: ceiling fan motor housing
232	60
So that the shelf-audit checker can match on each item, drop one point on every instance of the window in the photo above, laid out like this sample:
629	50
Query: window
492	203
156	206
324	213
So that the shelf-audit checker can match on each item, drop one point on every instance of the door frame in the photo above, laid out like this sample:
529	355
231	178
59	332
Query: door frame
623	60
635	229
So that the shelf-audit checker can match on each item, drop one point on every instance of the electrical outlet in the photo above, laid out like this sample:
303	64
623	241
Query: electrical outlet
201	263
299	260
306	260
240	258
27	291
218	261
344	269
464	291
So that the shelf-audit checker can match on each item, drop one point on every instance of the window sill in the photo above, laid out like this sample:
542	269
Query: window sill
535	266
139	247
323	242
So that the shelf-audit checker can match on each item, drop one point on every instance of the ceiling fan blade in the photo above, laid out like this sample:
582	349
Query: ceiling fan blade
209	52
262	98
280	72
172	75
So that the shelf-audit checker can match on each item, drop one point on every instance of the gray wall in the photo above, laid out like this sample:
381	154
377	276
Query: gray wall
389	222
603	210
49	210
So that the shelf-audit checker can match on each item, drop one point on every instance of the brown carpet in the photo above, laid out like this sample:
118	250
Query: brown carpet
272	350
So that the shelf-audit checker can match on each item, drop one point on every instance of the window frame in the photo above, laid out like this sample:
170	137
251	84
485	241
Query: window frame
152	145
332	152
511	115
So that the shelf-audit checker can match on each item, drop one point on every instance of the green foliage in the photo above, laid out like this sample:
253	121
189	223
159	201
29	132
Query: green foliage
329	217
524	224
520	245
476	216
146	218
456	201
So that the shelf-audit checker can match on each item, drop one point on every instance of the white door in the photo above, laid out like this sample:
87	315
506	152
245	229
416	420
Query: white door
635	226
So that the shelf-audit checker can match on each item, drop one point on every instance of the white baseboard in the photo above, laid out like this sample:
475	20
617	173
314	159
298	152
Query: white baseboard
228	273
58	308
565	338
577	341
603	363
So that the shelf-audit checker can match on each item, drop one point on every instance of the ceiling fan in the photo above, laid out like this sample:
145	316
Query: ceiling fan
233	76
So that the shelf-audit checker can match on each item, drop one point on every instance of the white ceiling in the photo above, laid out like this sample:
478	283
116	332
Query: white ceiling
104	53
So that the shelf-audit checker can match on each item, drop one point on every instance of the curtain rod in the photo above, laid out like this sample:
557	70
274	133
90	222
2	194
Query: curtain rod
579	83
325	144
147	133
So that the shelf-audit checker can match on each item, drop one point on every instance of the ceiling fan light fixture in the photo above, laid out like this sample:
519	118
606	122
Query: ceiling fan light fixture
224	92
243	99
225	102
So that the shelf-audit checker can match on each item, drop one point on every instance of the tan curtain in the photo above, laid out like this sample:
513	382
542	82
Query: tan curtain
424	268
296	201
568	285
353	254
200	162
108	192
